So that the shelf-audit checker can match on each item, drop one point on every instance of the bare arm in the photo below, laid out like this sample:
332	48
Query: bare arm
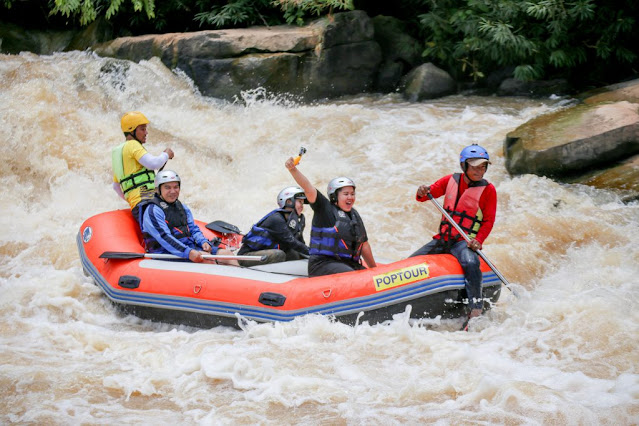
367	254
118	189
309	189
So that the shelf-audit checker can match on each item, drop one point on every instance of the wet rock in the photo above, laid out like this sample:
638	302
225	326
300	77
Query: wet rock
625	91
622	177
427	82
14	39
574	140
594	143
540	88
328	58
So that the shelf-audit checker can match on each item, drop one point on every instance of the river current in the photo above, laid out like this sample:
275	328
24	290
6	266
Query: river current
561	349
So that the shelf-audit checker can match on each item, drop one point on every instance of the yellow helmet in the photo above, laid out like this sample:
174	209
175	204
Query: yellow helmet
131	120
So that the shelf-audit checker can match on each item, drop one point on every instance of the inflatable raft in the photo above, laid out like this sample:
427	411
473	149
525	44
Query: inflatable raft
207	295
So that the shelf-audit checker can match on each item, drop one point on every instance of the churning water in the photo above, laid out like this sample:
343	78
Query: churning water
565	351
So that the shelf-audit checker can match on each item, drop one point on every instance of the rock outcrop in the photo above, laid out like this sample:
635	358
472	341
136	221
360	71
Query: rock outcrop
595	142
328	58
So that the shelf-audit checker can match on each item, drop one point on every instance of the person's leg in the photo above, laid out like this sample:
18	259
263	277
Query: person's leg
469	261
272	256
292	255
328	266
433	247
226	252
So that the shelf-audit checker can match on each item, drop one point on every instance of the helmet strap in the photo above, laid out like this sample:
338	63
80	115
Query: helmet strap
135	135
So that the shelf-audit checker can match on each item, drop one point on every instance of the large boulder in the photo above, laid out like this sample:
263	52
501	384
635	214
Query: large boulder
328	58
574	140
595	142
427	82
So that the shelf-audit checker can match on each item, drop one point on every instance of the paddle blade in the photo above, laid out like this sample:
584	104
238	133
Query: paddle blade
121	255
223	227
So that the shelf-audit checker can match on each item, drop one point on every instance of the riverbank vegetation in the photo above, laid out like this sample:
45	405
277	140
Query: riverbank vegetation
588	42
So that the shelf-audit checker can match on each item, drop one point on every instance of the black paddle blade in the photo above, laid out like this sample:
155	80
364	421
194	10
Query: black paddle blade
121	255
223	227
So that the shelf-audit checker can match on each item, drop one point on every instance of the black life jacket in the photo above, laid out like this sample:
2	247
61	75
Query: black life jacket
259	238
175	217
296	224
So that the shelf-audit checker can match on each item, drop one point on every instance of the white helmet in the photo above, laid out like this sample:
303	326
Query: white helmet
337	183
290	193
166	176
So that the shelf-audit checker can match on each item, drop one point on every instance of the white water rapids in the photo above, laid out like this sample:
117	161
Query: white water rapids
565	351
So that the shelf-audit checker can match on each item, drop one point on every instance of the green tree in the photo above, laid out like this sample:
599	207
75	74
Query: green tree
538	37
86	11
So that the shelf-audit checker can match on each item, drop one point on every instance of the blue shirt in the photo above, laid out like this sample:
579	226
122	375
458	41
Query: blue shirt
154	224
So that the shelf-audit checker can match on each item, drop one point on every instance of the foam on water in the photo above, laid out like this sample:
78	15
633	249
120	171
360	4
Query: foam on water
563	351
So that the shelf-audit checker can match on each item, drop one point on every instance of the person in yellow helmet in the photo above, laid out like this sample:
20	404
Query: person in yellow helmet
133	167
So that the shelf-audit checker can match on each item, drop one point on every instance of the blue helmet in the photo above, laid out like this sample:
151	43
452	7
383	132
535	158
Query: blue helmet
473	151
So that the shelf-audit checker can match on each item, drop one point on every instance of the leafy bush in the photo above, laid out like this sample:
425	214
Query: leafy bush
149	15
538	37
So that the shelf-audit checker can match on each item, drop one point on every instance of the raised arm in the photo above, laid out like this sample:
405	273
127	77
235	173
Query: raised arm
302	181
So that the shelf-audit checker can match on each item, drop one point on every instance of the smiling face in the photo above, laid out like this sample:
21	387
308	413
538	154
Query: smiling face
170	191
476	173
299	206
346	198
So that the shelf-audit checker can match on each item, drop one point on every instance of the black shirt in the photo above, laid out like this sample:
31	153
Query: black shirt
323	216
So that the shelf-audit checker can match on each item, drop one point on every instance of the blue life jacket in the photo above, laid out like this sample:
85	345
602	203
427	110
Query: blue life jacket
175	217
259	238
342	241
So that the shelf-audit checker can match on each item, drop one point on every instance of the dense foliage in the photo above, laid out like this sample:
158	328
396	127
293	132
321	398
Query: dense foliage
540	38
537	39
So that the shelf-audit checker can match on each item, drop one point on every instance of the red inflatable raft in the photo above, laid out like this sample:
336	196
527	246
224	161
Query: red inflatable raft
206	295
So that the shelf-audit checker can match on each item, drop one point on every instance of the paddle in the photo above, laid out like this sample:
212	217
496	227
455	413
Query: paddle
463	234
223	227
299	156
133	255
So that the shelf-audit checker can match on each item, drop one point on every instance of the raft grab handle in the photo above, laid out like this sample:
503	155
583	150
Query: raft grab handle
272	299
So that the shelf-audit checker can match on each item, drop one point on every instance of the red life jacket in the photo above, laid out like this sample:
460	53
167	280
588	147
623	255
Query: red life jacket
464	210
